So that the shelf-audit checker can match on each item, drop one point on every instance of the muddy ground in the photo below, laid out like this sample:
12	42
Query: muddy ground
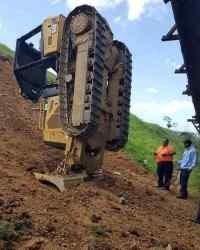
88	216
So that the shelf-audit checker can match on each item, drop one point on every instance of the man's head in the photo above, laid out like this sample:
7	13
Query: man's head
166	142
187	143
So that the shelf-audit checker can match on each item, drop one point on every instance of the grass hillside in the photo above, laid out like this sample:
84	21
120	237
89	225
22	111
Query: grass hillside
144	139
5	51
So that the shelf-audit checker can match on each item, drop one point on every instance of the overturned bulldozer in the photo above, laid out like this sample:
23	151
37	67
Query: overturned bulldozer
86	109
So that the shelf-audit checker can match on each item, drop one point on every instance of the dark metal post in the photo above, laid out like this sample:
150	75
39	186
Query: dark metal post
187	23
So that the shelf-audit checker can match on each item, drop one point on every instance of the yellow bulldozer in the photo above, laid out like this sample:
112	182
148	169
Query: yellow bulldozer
85	111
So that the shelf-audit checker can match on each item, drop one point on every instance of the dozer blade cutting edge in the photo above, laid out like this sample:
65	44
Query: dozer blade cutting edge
61	182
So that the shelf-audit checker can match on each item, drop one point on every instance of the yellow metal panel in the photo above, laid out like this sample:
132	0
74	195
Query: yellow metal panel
50	122
54	136
52	34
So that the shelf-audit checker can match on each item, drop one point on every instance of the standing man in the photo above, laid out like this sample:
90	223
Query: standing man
187	164
164	158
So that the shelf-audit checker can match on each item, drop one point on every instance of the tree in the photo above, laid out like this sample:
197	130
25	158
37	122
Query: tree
169	122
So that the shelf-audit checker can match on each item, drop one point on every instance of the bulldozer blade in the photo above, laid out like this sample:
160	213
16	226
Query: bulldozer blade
57	181
61	182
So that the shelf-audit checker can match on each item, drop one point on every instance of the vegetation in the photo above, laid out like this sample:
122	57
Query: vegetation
144	139
5	51
14	229
51	78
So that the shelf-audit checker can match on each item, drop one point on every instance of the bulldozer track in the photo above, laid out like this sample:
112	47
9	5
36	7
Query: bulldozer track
95	73
124	108
124	98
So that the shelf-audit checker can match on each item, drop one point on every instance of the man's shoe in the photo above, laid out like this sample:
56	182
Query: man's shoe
196	221
163	189
181	197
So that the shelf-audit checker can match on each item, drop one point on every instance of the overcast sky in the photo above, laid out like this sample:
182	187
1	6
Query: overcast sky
140	24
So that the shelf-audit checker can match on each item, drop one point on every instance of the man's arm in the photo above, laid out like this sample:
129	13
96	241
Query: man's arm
184	162
192	159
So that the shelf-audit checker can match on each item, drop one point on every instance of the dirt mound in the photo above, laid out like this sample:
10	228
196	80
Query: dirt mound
122	211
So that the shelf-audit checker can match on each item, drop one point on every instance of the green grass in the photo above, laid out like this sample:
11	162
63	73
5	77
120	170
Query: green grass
5	51
51	78
144	139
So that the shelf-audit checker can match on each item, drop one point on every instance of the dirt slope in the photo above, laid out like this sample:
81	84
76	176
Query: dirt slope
88	216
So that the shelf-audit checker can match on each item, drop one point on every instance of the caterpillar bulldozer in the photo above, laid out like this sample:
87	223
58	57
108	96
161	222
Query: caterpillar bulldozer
85	111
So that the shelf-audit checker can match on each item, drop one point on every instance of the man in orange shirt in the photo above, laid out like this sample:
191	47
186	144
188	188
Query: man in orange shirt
164	159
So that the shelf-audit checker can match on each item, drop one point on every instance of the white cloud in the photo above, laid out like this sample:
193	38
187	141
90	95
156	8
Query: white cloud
172	63
54	2
96	3
121	22
163	108
139	7
117	19
152	91
185	126
154	111
136	8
